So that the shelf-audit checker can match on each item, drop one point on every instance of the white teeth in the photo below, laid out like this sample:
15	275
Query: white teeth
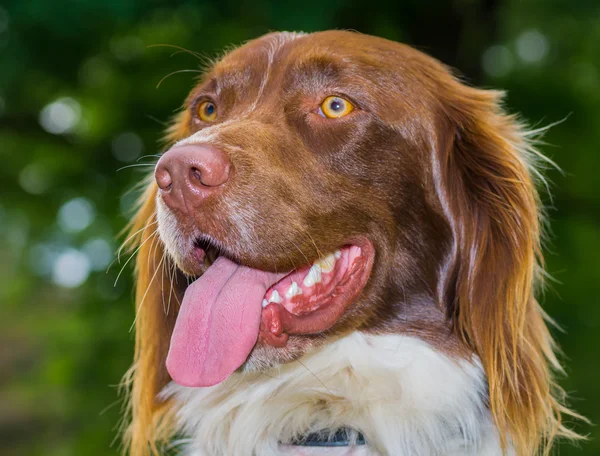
313	276
265	303
293	290
337	254
275	297
326	264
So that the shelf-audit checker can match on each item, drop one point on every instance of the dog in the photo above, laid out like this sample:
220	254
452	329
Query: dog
338	254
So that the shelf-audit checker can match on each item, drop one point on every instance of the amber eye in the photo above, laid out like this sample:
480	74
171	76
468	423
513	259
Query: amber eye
335	107
207	111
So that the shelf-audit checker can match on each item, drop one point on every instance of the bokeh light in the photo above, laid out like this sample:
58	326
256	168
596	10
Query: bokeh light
43	256
100	253
532	46
76	215
61	116
498	61
127	203
71	268
34	179
127	146
95	72
126	48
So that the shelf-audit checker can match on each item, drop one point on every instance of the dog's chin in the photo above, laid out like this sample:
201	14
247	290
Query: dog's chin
264	357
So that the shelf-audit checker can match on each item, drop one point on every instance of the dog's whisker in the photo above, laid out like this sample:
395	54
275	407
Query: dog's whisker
158	121
171	289
301	252
315	376
162	283
137	165
122	246
176	72
149	156
290	259
151	254
133	255
179	48
176	299
126	242
144	297
317	250
108	407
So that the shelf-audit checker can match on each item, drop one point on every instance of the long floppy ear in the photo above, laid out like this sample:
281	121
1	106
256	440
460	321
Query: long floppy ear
486	167
149	420
156	309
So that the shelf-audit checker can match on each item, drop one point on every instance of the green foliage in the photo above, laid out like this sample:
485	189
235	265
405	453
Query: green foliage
78	101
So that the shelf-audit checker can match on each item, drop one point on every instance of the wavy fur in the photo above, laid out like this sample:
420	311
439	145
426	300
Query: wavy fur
487	171
406	398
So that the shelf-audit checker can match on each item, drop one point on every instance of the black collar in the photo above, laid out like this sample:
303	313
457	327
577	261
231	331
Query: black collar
325	438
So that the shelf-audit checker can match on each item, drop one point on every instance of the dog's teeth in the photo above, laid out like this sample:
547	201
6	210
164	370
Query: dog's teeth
275	297
326	264
313	276
293	290
265	303
337	254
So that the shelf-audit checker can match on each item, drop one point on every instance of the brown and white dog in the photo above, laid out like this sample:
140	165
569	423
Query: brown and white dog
343	238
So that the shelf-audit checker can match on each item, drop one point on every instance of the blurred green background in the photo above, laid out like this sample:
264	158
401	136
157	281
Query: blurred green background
79	101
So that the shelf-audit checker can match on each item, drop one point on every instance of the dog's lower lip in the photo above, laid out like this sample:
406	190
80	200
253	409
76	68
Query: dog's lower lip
318	308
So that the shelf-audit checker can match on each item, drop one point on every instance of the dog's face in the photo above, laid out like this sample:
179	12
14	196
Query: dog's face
310	158
335	182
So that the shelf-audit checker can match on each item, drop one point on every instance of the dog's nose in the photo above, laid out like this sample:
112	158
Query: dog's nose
192	172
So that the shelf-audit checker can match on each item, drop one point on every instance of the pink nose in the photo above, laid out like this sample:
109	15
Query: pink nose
187	175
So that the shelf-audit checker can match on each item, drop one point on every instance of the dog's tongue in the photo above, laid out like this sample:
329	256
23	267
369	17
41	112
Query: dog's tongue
218	323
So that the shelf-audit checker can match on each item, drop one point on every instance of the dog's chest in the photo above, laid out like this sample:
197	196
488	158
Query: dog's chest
405	397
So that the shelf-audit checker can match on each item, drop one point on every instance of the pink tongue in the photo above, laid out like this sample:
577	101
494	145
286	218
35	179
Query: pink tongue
218	323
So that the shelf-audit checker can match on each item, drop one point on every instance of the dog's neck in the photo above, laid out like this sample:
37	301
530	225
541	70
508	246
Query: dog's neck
405	397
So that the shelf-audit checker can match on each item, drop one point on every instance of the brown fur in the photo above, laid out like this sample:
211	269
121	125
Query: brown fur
433	172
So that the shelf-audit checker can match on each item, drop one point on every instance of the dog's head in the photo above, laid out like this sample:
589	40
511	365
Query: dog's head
335	182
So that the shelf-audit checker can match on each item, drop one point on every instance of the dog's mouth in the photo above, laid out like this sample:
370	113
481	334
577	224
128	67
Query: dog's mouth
231	306
206	250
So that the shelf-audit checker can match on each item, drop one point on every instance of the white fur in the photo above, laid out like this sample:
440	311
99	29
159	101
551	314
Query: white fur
175	243
277	41
406	397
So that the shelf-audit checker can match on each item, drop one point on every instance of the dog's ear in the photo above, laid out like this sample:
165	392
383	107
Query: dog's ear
485	169
156	307
157	303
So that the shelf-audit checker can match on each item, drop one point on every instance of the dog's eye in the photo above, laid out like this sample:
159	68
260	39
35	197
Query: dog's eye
207	111
335	107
